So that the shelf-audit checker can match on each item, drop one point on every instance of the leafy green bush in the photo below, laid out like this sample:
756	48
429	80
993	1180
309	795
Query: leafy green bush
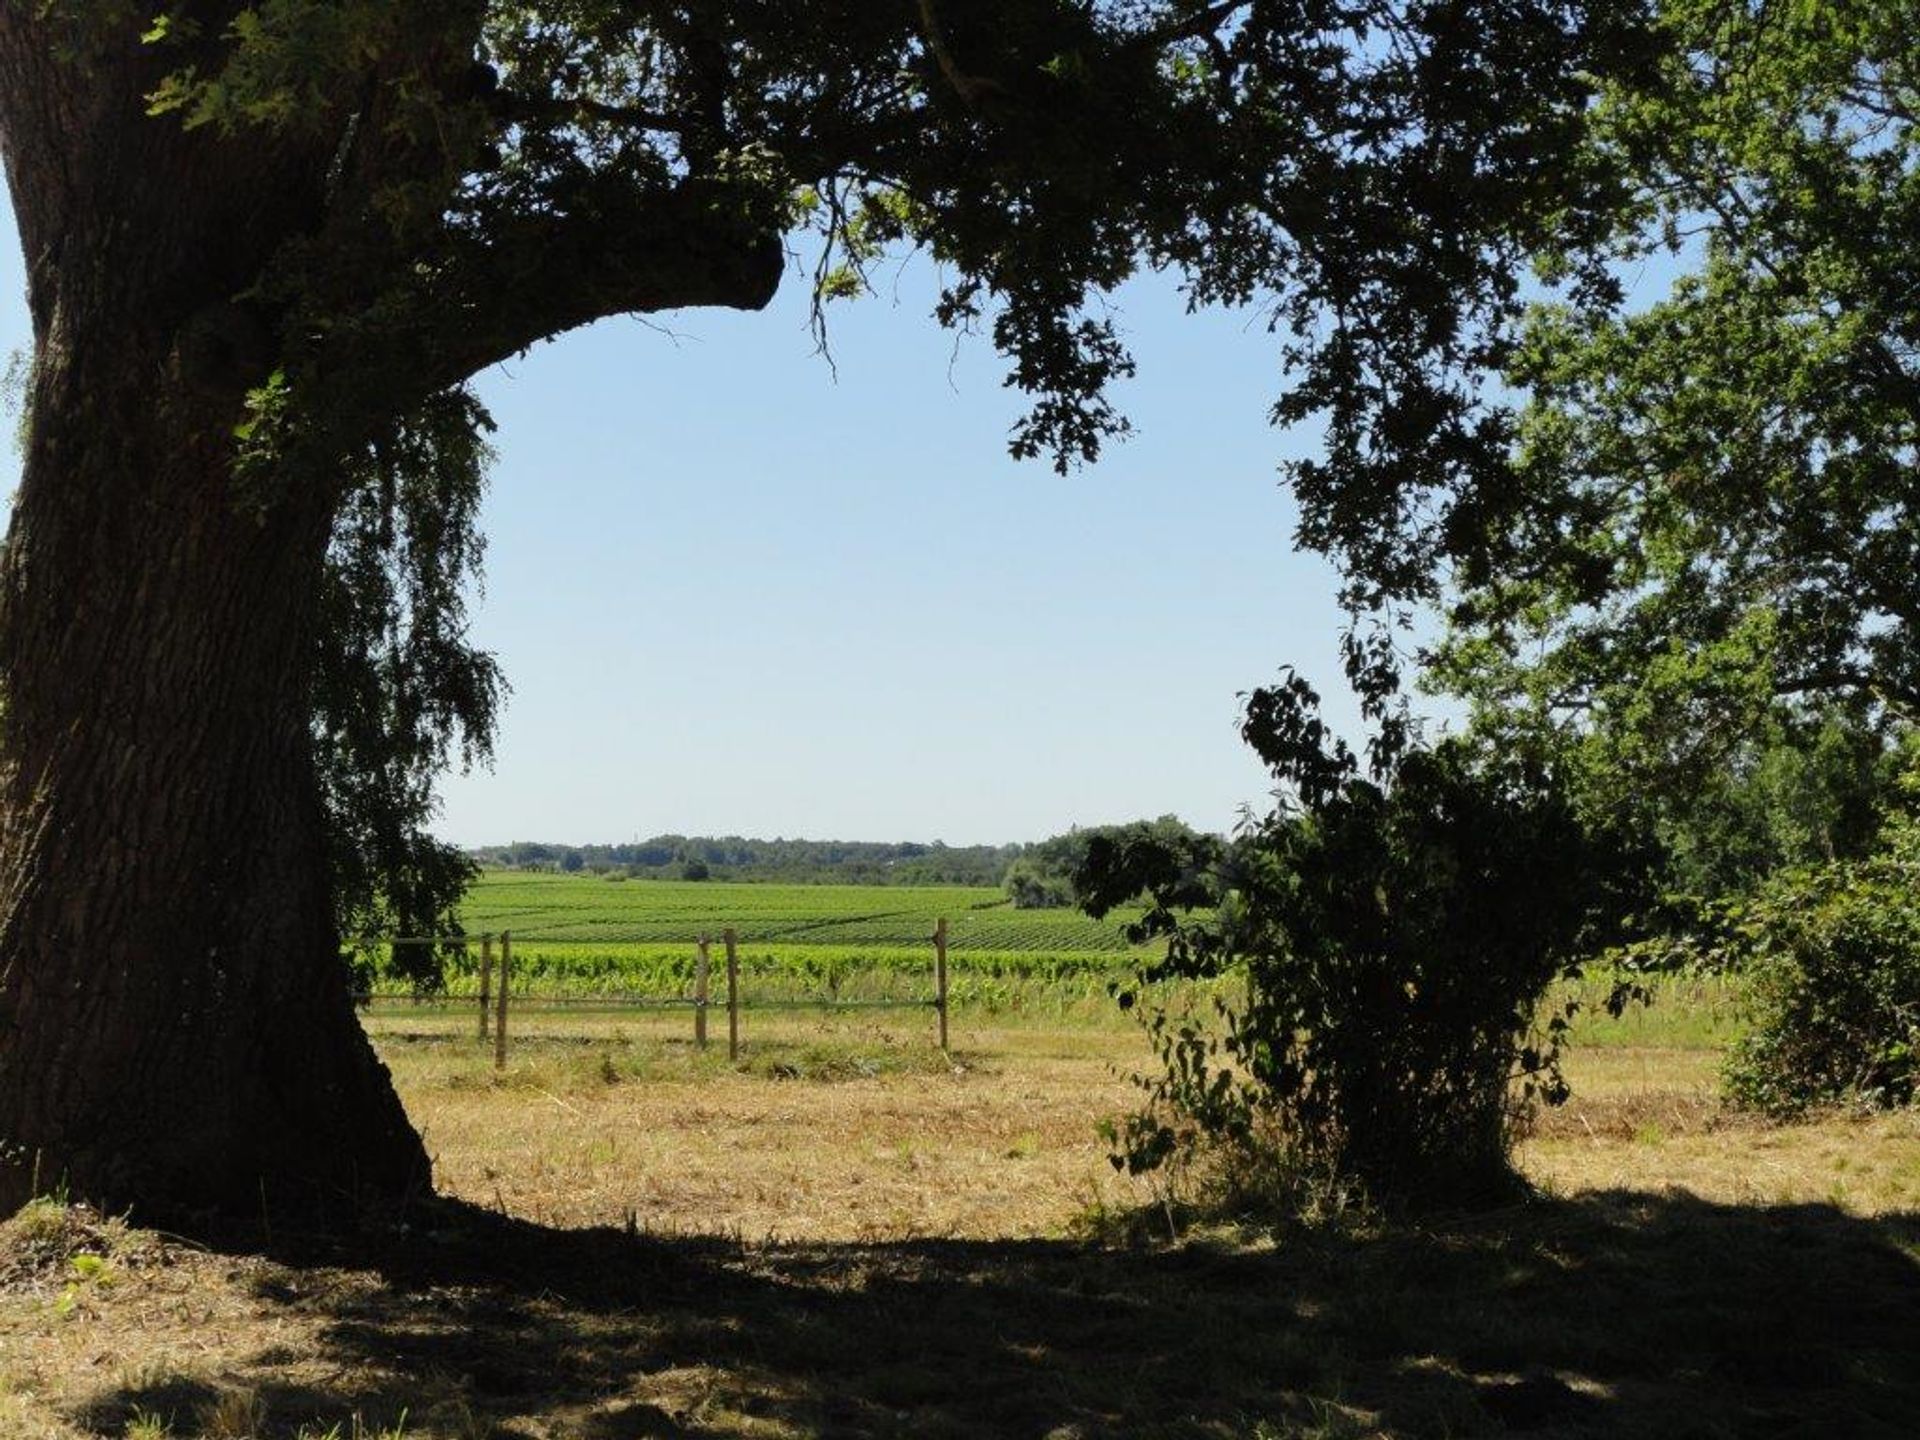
1031	887
1833	965
1396	940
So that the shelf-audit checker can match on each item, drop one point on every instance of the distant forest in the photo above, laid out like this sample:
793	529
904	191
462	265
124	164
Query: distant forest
732	857
1035	875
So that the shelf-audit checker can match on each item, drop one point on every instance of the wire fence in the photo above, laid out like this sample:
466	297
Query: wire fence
495	1001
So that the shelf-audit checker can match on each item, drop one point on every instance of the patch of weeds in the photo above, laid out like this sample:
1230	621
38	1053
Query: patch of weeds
1325	1420
42	1219
357	1429
608	1064
85	1271
1240	1195
453	1417
232	1415
150	1398
49	1240
829	1063
1149	1220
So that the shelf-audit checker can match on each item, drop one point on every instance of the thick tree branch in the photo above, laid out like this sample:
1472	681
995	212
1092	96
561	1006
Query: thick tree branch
973	90
487	298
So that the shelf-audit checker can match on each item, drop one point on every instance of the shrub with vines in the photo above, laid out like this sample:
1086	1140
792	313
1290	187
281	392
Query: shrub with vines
1396	936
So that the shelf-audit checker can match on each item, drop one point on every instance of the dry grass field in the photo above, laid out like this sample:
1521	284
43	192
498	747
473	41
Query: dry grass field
861	1131
849	1233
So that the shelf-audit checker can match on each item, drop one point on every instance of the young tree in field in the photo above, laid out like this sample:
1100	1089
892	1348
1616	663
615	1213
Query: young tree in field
267	245
1395	939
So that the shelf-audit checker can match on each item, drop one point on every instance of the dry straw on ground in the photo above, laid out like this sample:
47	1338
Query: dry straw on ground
920	1287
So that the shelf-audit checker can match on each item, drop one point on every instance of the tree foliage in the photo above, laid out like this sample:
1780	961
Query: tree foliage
1044	876
501	172
269	243
1368	172
735	857
1832	955
398	691
1694	584
1708	531
1030	887
1808	788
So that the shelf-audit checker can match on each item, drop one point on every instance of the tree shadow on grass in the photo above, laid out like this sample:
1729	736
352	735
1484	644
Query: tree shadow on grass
1610	1315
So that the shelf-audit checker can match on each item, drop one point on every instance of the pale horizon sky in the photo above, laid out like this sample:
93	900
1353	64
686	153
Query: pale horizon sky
735	593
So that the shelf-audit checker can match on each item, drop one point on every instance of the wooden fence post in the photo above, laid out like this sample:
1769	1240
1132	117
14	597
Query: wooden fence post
486	982
940	976
700	996
500	1018
733	994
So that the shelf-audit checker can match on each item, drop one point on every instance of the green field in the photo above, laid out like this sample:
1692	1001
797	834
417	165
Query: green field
585	934
581	936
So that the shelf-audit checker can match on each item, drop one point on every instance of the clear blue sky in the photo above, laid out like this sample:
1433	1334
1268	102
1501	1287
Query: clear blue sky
735	594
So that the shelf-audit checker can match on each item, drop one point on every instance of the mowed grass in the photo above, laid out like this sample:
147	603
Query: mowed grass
847	1232
852	1126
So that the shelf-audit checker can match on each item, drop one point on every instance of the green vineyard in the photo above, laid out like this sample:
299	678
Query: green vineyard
588	934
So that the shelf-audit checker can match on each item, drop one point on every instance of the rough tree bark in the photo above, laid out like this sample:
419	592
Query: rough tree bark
175	1029
176	1033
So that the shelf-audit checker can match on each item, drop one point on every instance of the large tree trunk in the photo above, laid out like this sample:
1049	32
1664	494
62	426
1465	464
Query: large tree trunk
175	1026
175	1031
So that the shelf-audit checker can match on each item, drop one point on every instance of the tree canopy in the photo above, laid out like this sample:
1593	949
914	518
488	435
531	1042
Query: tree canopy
267	244
1709	522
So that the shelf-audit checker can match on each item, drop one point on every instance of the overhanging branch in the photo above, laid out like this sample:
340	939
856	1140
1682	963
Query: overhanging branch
487	297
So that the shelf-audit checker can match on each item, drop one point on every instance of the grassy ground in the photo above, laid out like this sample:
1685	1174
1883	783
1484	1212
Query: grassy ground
849	1234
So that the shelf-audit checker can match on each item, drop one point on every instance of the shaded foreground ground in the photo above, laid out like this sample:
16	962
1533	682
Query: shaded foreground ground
1609	1315
920	1284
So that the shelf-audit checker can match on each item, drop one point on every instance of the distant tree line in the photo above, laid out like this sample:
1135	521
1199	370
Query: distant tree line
1036	875
735	857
